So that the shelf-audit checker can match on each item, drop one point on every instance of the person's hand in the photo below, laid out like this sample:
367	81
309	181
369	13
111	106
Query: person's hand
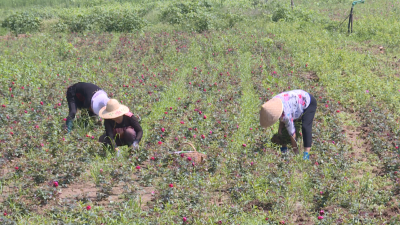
135	145
99	121
276	139
294	144
293	140
295	150
281	126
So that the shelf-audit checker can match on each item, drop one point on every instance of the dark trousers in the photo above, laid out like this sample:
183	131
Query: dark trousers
307	120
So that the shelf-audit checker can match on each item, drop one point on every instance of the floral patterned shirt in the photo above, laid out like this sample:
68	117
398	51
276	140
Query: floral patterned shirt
295	103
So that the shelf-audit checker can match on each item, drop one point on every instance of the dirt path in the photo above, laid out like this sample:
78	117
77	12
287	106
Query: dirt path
356	136
89	191
364	159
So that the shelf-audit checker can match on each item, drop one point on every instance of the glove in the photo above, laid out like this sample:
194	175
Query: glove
135	144
283	149
306	156
69	125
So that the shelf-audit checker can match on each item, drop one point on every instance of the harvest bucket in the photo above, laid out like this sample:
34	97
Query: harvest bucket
197	157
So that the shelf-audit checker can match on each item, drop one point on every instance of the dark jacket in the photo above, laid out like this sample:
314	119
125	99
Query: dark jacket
80	96
129	120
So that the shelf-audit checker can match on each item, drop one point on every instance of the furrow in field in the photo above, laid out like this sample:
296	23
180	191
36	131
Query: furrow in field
249	106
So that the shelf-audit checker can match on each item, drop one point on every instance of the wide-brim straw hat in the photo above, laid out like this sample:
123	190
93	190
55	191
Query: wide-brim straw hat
270	112
113	110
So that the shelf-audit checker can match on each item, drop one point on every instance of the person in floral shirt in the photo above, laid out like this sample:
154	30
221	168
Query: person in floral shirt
287	107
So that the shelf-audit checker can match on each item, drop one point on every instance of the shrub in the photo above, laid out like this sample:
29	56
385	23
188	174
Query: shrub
282	13
176	13
110	19
121	20
200	21
23	22
230	19
60	27
197	16
78	21
287	14
172	15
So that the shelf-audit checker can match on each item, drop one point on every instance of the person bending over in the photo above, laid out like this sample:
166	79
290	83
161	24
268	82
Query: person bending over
288	107
84	96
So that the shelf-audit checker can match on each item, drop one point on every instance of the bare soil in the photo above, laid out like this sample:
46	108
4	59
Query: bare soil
264	206
12	37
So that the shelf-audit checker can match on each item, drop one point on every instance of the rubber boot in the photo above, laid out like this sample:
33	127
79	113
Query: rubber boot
69	126
306	156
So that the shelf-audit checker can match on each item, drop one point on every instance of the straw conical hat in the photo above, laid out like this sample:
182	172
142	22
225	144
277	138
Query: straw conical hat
270	112
113	110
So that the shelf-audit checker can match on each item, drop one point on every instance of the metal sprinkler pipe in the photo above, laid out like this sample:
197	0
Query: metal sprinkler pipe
350	26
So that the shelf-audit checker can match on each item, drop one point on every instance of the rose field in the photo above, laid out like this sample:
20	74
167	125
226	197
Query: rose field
198	72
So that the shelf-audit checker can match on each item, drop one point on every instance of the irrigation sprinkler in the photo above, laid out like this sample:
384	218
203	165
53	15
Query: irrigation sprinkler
350	26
